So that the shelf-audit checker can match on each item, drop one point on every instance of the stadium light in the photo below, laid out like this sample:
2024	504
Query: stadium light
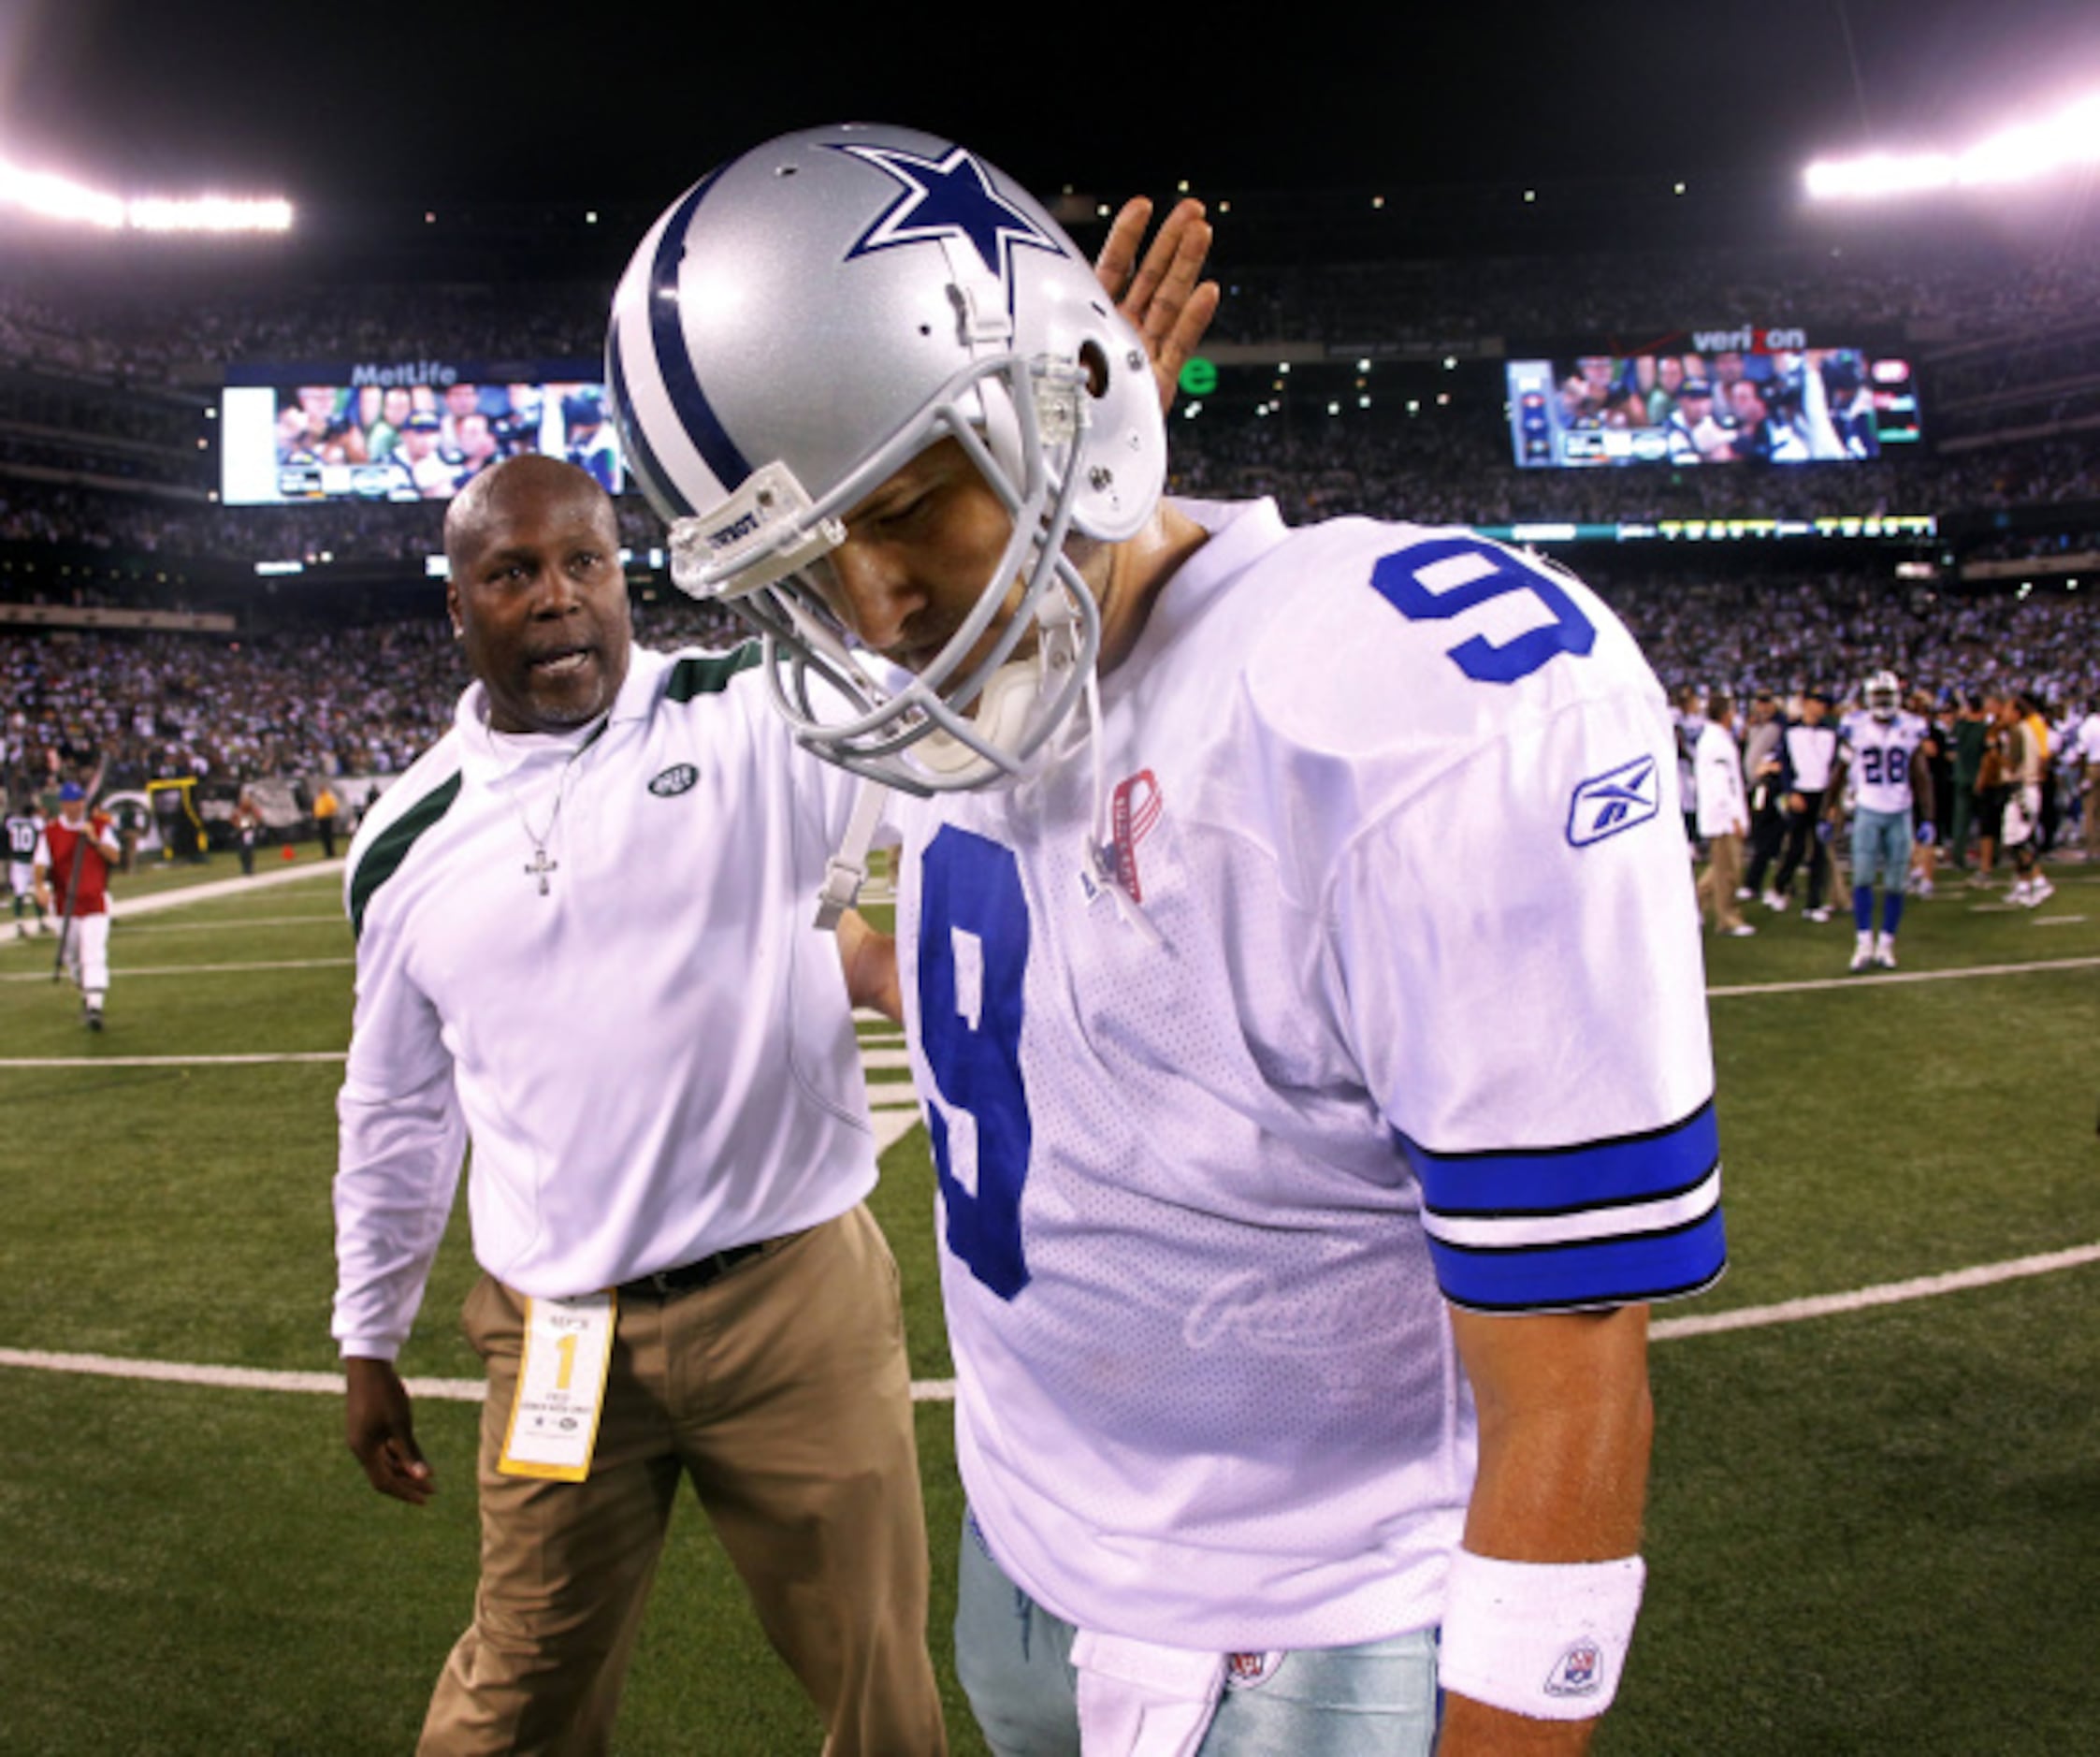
53	197
209	213
2012	156
58	198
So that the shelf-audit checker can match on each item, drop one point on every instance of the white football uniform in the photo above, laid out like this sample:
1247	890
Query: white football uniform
1409	1005
23	830
1877	754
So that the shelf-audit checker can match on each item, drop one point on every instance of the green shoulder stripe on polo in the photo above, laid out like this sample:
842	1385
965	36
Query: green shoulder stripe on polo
391	847
710	676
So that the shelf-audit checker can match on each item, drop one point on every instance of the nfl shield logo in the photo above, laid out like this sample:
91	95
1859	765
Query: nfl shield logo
1579	1672
1248	1671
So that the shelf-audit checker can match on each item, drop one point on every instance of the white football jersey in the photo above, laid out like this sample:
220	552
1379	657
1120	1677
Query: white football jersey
1877	753
1408	1006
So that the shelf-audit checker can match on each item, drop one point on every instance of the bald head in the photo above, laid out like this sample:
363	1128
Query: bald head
496	495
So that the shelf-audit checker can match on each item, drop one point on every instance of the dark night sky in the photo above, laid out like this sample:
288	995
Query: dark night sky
430	103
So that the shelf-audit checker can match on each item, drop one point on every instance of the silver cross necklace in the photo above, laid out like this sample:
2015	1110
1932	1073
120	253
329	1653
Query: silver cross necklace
539	867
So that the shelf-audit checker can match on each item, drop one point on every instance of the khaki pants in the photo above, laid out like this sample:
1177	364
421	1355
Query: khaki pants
1717	884
782	1392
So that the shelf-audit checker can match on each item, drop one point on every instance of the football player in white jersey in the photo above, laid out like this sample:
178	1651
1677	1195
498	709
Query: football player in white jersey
24	829
1881	751
1301	1206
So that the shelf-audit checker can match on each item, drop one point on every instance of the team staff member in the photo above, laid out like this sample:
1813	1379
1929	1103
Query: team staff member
1724	812
1808	753
73	864
326	808
1268	1155
744	1134
563	959
1761	770
2024	744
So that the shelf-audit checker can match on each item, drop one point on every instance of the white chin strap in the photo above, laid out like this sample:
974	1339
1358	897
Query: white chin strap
849	868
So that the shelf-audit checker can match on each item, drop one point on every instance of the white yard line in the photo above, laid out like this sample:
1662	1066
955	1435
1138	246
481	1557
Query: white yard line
1890	1293
258	1060
1882	979
128	970
943	1391
125	908
240	924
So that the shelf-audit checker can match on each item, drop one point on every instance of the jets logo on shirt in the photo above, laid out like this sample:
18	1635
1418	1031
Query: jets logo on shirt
1618	799
674	780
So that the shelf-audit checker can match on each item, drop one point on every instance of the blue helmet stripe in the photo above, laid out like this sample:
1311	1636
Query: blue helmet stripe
640	457
680	382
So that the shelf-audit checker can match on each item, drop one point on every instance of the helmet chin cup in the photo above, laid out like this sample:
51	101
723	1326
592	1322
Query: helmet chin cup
1000	722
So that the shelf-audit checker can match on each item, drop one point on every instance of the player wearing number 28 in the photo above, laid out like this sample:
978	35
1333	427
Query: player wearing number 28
1301	967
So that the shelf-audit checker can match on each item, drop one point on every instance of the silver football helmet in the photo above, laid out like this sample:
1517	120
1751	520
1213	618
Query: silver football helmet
1883	695
803	322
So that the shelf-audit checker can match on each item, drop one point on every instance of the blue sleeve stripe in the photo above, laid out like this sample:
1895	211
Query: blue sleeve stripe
1606	1271
1568	1180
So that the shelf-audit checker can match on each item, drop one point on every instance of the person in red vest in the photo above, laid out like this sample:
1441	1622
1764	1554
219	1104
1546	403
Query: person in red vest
74	859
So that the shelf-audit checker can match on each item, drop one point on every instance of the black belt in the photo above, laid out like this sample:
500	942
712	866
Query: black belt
702	1273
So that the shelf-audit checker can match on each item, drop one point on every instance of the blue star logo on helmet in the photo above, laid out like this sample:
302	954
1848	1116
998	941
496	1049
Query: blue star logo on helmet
947	197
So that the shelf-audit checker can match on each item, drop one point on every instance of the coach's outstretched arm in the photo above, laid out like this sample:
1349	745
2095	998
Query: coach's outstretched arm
379	1426
1565	1429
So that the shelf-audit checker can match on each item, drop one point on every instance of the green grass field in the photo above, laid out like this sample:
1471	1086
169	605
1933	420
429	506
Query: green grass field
1871	1531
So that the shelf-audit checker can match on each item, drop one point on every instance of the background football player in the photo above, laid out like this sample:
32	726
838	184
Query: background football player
1303	1132
1881	754
24	826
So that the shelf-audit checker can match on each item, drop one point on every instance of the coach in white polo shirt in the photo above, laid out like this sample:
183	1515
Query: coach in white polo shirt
583	947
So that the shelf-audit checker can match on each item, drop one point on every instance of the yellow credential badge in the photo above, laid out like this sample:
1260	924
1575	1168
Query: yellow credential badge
560	1388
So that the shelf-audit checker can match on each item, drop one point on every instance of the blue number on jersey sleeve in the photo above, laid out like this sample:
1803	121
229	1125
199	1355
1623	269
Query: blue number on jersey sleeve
1399	579
971	894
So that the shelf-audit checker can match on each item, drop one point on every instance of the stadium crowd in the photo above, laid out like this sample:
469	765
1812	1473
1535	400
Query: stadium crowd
108	388
366	700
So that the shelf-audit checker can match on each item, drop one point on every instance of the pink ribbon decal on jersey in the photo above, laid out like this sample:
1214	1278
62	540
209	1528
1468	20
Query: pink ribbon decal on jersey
1135	808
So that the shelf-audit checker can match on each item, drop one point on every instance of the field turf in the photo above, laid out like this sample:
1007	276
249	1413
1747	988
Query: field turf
1872	1529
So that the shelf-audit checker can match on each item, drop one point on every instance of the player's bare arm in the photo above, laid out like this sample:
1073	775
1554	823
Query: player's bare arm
1162	296
1565	1429
380	1428
869	958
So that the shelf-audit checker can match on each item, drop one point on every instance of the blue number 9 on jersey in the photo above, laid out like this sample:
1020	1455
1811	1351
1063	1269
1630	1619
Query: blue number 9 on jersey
973	953
1397	578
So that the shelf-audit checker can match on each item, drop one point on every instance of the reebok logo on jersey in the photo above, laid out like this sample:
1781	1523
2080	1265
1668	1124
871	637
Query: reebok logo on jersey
1578	1672
677	779
1135	809
1618	799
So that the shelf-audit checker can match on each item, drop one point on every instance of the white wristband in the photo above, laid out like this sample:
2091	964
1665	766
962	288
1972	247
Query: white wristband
1543	1639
